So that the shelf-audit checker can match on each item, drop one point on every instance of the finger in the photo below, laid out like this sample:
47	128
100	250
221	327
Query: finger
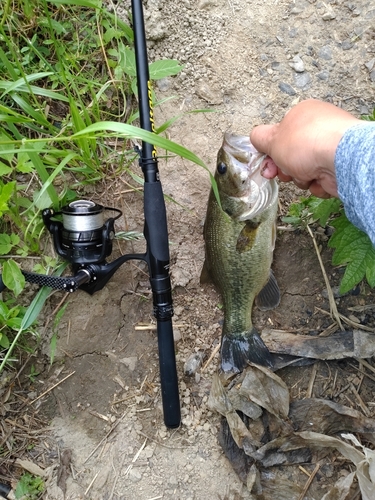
317	190
261	137
269	168
302	184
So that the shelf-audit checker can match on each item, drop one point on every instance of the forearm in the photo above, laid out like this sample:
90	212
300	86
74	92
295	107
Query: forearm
355	173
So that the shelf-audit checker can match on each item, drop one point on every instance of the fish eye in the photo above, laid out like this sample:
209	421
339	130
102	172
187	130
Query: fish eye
221	168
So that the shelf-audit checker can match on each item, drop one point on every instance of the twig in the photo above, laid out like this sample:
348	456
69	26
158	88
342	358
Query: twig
51	388
105	437
360	400
311	381
135	458
153	327
309	481
162	444
332	303
92	482
217	348
366	364
116	477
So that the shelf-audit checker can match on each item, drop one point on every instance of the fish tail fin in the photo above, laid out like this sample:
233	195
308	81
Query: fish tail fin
236	353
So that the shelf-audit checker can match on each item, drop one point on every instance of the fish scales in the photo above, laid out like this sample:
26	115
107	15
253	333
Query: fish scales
239	253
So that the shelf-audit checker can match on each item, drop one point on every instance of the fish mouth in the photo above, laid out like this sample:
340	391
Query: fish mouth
260	192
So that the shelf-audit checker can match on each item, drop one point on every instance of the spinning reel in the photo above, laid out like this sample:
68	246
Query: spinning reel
83	237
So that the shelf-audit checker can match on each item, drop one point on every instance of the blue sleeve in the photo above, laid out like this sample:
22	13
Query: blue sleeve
355	174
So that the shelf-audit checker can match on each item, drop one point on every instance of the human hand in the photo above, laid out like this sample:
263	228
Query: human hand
301	148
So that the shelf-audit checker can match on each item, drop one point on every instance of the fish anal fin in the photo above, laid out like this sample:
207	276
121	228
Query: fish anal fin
269	297
205	274
247	236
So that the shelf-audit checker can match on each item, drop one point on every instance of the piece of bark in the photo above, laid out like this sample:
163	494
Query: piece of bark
346	344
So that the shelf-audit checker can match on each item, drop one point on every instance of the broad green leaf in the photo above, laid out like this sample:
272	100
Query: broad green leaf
4	341
13	277
324	209
4	310
6	193
127	59
164	68
5	244
354	249
4	169
14	323
5	138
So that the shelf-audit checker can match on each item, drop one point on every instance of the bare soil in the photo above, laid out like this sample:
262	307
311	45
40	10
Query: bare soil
239	64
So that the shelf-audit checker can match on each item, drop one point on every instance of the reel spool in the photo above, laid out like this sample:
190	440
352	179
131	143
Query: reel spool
83	236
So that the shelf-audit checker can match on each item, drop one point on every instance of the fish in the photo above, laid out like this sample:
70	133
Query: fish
239	242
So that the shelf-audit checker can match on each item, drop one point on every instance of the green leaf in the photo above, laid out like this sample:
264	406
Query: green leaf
4	169
164	68
94	4
354	249
4	341
323	209
127	59
5	244
6	192
52	348
6	138
13	277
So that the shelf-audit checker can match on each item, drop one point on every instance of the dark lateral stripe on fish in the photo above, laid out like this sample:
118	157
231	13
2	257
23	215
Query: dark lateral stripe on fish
236	353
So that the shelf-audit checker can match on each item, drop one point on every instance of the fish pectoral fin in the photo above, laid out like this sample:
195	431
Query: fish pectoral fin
269	297
247	236
205	274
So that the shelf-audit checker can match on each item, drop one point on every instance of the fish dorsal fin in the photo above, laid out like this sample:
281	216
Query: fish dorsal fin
246	238
269	297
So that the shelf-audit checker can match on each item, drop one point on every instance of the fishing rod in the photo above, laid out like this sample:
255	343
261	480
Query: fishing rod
155	229
83	237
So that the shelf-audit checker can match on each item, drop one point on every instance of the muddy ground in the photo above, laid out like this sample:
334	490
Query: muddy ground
248	62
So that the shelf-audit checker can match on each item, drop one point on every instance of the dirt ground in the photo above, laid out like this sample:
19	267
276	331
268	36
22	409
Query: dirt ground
248	62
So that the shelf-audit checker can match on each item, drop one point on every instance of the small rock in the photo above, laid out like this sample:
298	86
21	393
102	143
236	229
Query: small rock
286	88
134	475
297	64
370	64
302	79
130	362
173	481
329	15
323	75
176	335
206	93
372	76
325	52
163	84
193	363
347	44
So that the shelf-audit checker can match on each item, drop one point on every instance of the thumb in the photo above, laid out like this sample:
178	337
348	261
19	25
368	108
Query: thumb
261	137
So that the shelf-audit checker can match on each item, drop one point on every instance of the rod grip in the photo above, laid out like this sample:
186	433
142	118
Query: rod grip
168	375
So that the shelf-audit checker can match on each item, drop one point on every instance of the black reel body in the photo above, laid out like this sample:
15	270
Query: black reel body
82	237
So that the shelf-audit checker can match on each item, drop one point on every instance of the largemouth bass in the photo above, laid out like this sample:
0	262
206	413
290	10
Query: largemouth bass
239	244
